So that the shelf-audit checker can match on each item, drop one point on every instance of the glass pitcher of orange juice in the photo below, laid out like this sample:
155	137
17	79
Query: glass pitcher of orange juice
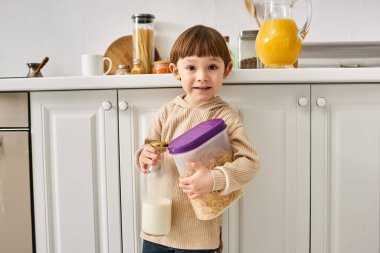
279	41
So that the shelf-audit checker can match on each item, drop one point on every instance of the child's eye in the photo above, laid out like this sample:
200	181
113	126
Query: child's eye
213	67
190	67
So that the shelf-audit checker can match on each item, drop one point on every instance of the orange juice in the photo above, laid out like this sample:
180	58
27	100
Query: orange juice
278	44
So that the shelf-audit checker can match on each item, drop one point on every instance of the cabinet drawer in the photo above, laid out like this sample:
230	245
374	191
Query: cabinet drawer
14	110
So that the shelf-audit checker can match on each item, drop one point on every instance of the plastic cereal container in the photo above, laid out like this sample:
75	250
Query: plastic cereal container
204	142
208	145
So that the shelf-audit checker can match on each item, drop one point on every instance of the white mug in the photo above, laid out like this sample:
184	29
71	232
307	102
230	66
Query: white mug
93	65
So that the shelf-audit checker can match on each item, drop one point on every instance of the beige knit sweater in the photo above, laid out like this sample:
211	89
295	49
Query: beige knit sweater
172	120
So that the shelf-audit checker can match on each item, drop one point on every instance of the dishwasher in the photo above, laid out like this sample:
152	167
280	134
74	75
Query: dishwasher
16	207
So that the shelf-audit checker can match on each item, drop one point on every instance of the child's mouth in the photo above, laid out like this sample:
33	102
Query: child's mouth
202	88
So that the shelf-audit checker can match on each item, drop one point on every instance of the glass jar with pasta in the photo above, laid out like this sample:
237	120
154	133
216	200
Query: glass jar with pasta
143	40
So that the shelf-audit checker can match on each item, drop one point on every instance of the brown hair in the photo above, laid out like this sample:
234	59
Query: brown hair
200	41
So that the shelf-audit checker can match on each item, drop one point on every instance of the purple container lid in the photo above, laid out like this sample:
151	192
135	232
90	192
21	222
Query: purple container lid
196	136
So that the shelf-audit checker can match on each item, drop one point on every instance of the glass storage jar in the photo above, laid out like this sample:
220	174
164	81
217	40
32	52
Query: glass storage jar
161	67
233	58
137	68
247	52
122	70
143	40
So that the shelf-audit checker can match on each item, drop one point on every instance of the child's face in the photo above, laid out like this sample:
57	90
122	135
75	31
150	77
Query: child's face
201	77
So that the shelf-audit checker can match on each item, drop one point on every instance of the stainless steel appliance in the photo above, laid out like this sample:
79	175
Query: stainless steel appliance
16	226
340	55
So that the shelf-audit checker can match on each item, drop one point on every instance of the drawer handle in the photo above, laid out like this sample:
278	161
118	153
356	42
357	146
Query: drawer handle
123	105
302	101
321	102
107	105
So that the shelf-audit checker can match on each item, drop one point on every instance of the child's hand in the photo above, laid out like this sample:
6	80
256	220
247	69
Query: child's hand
148	157
199	183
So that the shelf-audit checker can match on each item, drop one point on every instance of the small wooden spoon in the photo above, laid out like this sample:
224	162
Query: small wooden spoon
252	11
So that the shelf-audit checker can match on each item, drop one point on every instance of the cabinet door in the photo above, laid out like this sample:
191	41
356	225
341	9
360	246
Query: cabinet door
136	110
76	171
273	215
345	168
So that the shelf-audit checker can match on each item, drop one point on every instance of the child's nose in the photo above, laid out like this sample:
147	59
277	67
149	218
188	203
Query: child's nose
202	76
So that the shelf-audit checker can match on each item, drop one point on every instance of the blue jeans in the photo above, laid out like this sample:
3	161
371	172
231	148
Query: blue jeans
150	247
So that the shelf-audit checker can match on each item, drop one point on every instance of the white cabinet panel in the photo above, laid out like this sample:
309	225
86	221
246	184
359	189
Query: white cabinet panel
273	215
143	104
76	172
345	169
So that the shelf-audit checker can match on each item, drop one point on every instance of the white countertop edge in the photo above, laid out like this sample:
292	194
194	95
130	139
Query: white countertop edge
88	83
239	76
306	75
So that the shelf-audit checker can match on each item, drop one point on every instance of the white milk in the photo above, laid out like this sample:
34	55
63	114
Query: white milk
156	216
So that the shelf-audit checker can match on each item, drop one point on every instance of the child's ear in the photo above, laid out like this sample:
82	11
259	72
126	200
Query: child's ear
227	70
174	69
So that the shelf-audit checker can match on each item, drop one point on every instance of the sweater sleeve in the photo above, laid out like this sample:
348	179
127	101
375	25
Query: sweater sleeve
245	165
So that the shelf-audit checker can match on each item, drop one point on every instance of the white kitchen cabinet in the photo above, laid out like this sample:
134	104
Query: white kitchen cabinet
276	124
80	204
273	215
277	205
345	175
76	171
261	107
80	143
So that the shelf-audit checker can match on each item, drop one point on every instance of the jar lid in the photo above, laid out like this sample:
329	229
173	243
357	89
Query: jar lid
143	18
161	62
159	144
196	136
248	33
136	61
122	66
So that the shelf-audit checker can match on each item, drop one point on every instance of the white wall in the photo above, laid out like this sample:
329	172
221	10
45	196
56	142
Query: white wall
63	30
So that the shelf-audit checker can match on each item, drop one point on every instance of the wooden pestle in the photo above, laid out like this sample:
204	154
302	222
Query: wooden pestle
44	61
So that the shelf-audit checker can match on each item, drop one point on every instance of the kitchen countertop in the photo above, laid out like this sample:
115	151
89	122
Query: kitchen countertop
256	76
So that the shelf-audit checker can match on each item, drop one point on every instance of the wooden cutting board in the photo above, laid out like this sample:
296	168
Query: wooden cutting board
121	52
